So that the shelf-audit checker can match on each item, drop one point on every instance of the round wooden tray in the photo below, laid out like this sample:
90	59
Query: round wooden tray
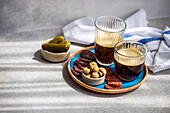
126	85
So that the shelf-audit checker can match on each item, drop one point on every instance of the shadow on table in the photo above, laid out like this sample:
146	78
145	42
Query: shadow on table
164	72
83	90
38	57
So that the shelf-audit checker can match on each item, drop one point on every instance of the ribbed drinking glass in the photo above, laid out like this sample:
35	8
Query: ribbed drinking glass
129	59
108	31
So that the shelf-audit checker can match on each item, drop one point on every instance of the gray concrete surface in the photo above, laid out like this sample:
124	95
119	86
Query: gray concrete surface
31	15
160	23
28	83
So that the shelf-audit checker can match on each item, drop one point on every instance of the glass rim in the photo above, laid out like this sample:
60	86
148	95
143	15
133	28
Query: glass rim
112	17
132	41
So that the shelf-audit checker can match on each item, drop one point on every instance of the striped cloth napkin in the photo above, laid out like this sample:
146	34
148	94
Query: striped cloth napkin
157	41
158	44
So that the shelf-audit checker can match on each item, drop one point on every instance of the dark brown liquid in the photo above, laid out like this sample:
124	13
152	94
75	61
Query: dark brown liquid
104	54
128	73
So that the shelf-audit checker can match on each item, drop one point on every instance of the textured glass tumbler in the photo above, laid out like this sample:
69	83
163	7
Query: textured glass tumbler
129	59
108	31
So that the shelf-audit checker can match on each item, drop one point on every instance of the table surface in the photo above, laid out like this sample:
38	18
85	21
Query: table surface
28	83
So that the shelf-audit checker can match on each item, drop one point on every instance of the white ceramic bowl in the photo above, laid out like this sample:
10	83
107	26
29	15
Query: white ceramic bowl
54	57
93	81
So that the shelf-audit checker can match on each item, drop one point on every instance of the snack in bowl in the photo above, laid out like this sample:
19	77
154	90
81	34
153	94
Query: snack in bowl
93	75
56	50
57	45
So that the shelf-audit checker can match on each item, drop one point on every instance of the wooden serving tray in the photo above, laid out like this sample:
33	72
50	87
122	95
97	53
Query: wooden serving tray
126	85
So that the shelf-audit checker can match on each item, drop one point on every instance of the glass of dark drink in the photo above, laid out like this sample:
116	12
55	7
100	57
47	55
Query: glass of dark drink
108	31
129	59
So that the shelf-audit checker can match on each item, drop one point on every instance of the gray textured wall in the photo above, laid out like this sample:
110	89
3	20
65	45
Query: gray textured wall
31	15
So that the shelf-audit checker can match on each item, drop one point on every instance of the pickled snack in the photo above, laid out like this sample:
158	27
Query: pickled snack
57	45
53	47
57	40
63	42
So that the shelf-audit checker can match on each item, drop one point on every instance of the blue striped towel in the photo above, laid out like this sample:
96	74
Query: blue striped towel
158	44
